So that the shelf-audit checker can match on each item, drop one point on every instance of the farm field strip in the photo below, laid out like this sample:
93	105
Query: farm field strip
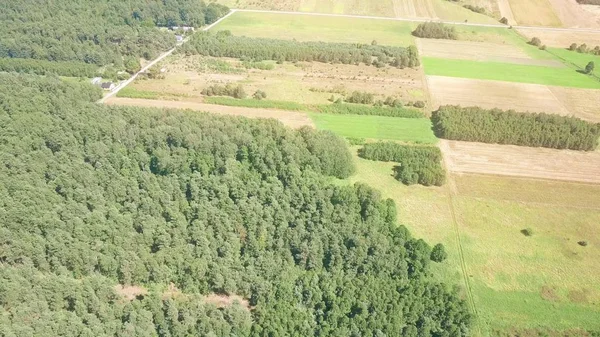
499	71
292	119
416	130
510	160
582	103
562	38
534	13
494	94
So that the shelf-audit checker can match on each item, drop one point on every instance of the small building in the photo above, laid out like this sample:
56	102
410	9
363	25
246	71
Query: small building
96	80
179	38
107	86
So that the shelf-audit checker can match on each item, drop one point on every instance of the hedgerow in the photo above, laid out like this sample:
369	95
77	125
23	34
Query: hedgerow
418	164
509	127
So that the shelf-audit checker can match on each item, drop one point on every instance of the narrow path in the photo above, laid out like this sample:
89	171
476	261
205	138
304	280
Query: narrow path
155	61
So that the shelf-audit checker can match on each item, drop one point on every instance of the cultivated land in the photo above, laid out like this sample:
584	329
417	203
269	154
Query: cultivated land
520	161
500	71
534	13
292	119
417	130
494	94
545	281
582	103
573	57
563	39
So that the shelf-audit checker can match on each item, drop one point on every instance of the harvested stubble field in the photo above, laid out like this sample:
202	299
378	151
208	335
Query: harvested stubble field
480	51
534	13
562	39
583	103
307	83
519	161
495	94
292	119
546	280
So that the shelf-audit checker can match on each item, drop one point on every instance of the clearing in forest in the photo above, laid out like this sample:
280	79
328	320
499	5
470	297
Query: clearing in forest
520	161
543	280
494	94
292	119
305	27
416	130
499	71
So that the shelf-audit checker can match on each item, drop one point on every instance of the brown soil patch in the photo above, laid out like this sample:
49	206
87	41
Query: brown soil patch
579	296
130	292
573	15
520	161
582	103
549	294
479	51
292	119
562	39
222	301
493	94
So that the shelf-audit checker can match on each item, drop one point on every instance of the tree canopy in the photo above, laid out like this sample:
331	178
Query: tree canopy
93	196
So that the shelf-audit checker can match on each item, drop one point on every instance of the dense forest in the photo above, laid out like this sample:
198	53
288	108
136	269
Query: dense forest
93	196
96	32
475	124
418	164
224	44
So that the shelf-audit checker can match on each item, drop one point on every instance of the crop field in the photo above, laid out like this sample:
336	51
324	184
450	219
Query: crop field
417	130
542	163
494	94
480	51
318	28
294	119
578	59
499	71
534	13
545	280
563	39
582	103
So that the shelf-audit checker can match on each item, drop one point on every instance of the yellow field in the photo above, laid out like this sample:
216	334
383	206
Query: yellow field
534	13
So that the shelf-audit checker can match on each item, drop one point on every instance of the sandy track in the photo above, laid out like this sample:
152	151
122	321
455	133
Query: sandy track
292	119
479	51
562	38
519	161
494	94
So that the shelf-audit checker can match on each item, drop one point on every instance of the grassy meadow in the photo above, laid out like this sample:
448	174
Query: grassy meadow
545	281
417	130
566	77
578	59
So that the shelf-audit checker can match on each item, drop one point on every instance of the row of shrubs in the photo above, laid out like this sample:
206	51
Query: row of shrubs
435	30
583	49
476	124
418	164
223	44
372	110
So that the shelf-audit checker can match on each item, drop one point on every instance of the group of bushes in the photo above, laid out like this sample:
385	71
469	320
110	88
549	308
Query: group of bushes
583	48
535	41
353	109
223	44
435	30
508	127
235	91
418	164
475	9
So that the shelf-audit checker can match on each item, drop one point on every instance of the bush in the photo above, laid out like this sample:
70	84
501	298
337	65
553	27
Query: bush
418	164
573	46
438	253
527	232
419	104
504	21
535	42
475	124
360	97
435	30
475	9
582	243
543	47
583	48
235	91
259	94
589	68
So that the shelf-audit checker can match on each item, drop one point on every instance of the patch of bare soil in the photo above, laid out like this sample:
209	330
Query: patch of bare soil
573	15
562	39
222	301
479	51
582	103
292	119
493	94
521	161
130	292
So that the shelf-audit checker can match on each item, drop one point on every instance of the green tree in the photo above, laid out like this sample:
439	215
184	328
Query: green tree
438	253
589	68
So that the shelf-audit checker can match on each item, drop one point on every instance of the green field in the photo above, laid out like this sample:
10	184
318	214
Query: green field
546	281
566	77
578	59
318	28
416	130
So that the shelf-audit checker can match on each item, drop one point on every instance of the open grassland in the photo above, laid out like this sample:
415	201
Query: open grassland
534	13
417	130
545	281
307	83
318	28
499	71
580	60
294	119
481	51
494	94
563	39
520	161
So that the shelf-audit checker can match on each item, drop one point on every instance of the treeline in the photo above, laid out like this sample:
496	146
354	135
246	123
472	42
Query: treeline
93	32
509	127
223	44
435	30
355	109
232	90
589	2
418	164
94	196
43	67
